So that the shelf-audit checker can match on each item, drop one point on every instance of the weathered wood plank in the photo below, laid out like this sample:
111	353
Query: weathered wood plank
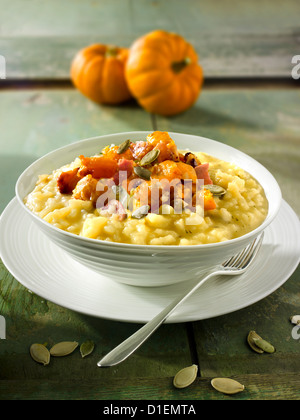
31	319
138	16
47	120
219	55
34	122
257	387
69	18
263	123
234	39
222	342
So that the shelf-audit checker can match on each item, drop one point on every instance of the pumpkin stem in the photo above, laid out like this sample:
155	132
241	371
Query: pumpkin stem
180	65
111	51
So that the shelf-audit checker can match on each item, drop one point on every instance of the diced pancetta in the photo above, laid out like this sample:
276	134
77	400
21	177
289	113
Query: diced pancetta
202	173
125	166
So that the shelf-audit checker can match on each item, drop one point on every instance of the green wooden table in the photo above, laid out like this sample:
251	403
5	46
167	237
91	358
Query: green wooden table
249	101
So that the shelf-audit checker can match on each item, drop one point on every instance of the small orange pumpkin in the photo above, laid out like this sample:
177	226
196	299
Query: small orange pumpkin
98	72
163	73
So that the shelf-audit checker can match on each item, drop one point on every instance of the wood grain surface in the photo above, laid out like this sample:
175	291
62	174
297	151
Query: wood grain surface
232	38
249	101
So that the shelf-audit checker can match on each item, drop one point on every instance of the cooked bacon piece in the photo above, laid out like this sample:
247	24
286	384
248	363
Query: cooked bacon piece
98	167
202	173
162	141
140	149
124	165
67	181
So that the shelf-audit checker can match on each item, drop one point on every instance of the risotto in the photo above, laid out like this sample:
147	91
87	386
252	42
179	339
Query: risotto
150	193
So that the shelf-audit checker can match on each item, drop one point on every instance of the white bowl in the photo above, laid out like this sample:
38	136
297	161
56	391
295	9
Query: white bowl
147	265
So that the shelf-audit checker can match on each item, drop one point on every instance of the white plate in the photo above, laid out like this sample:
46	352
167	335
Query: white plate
46	270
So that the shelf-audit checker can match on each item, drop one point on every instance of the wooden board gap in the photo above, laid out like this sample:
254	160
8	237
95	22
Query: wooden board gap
209	83
192	345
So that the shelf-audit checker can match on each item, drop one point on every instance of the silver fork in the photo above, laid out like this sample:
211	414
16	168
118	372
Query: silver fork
234	266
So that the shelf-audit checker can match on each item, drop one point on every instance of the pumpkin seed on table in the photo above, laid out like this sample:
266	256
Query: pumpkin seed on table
87	348
150	157
250	339
124	147
227	386
258	344
295	319
185	377
142	172
40	354
63	349
264	345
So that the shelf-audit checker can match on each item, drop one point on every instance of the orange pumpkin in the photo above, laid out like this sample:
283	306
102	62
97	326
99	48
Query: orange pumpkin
98	72
163	73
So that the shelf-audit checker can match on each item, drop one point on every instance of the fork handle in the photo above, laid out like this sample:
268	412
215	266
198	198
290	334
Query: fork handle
132	343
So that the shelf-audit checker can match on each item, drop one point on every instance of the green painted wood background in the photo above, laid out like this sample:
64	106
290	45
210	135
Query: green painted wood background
233	38
242	47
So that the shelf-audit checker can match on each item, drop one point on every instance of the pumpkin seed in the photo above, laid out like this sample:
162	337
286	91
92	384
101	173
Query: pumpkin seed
185	377
63	349
124	146
40	354
227	386
295	319
140	212
142	172
215	189
150	157
87	348
264	345
251	336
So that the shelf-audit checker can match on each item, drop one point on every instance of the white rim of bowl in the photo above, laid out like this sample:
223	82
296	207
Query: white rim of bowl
252	233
